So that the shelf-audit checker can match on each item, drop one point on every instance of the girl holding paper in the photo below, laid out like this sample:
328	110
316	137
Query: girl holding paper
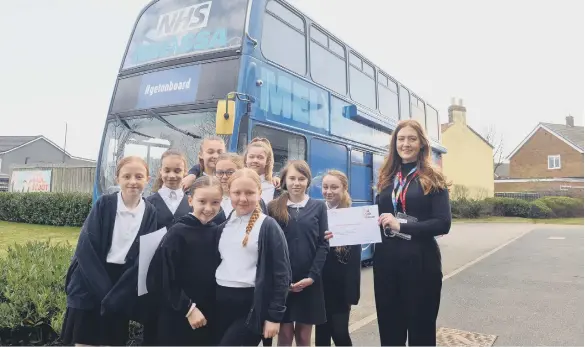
341	273
407	273
101	281
304	222
182	271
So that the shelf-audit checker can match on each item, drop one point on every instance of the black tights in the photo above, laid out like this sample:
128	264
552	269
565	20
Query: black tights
336	328
233	306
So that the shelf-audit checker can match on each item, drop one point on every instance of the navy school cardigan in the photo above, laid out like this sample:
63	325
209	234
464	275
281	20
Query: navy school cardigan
87	283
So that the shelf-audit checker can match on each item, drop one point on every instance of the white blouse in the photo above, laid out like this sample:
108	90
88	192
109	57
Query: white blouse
126	227
238	263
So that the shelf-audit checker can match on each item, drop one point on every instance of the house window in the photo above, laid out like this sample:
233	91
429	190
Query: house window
554	162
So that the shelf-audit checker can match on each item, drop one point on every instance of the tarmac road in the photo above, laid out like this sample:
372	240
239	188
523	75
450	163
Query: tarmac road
520	284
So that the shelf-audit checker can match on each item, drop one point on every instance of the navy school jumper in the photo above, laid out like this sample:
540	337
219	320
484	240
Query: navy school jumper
87	283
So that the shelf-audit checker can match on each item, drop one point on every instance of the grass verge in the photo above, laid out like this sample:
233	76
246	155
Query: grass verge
11	233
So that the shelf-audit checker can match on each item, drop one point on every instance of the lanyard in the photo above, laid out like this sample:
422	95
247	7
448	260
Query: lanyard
400	193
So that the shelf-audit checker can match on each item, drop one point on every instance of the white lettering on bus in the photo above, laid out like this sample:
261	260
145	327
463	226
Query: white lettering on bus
282	97
183	20
167	87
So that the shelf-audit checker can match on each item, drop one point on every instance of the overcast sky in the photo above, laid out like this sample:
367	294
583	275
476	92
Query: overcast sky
514	63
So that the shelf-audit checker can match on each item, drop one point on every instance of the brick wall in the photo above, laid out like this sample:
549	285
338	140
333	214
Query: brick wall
576	191
531	161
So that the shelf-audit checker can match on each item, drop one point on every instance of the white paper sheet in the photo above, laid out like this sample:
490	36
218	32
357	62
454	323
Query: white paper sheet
148	245
354	226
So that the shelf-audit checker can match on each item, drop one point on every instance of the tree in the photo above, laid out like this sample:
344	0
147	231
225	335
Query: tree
497	141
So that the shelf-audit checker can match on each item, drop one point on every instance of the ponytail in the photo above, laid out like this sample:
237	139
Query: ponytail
158	183
253	219
278	209
345	200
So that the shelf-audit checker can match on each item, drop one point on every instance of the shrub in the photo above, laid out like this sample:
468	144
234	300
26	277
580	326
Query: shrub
509	207
32	292
32	295
45	208
539	209
563	206
466	208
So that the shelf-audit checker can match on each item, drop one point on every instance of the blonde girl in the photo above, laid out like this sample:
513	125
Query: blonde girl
102	279
254	275
341	273
210	149
260	158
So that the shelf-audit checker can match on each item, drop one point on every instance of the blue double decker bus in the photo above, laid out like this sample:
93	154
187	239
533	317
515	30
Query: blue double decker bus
247	68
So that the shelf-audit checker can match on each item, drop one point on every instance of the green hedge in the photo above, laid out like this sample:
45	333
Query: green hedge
562	206
45	208
540	210
547	207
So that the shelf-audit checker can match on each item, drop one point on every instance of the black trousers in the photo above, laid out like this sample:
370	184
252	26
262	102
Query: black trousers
233	307
336	328
407	286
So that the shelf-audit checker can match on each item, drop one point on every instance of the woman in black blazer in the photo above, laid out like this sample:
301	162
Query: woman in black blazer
413	202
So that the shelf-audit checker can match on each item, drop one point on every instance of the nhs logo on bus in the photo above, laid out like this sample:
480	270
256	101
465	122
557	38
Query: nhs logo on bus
183	20
169	87
290	100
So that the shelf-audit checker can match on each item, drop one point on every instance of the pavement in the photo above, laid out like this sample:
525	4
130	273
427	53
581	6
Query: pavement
504	284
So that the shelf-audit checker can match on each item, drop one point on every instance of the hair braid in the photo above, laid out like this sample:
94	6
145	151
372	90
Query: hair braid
253	219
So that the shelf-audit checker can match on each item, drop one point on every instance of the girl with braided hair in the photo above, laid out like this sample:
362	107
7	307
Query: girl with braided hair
254	275
341	273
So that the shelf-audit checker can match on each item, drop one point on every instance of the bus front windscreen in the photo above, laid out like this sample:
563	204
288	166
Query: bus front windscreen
148	137
171	29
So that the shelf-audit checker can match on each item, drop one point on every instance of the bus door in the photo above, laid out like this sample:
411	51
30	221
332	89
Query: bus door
285	145
361	188
325	155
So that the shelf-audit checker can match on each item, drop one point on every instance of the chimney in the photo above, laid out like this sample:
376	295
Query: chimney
457	112
570	121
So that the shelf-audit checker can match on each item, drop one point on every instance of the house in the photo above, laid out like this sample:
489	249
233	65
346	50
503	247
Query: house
501	170
469	163
549	159
19	150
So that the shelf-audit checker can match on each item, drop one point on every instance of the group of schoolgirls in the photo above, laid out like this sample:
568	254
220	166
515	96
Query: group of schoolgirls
245	258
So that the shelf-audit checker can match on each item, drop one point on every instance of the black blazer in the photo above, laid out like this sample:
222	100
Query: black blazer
87	283
164	217
273	276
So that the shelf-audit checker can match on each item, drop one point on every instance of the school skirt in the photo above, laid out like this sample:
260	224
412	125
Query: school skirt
307	306
89	327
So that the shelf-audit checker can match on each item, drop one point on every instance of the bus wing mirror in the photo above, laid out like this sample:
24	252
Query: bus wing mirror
224	117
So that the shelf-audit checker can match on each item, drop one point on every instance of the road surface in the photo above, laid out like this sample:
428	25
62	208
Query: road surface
505	284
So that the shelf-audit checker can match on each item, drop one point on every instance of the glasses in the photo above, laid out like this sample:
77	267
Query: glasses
220	174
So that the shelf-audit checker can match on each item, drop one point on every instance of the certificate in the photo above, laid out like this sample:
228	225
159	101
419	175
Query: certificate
148	246
354	226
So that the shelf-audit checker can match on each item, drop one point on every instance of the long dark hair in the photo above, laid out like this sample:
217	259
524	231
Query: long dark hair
158	183
430	176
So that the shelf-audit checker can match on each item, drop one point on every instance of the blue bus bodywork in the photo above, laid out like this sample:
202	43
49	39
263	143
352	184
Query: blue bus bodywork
303	119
